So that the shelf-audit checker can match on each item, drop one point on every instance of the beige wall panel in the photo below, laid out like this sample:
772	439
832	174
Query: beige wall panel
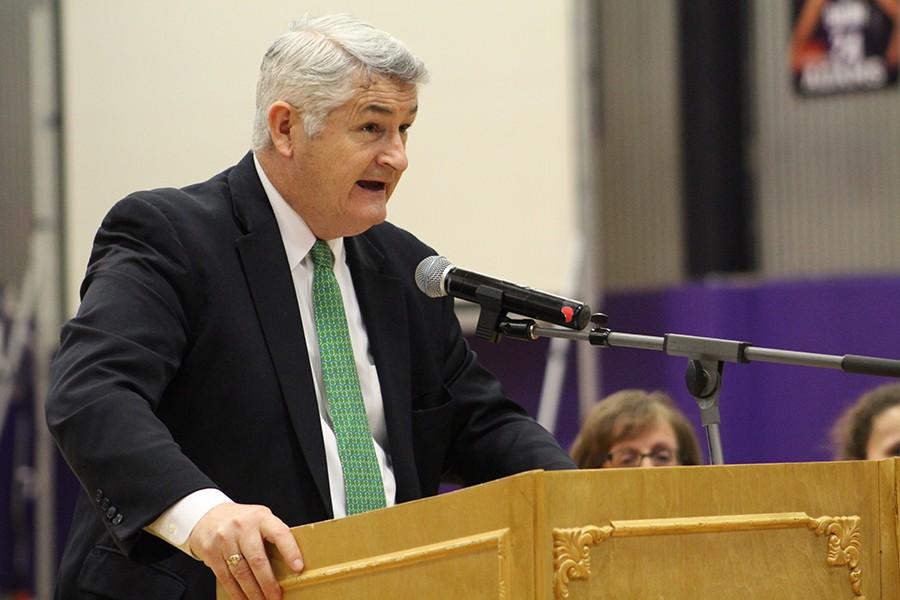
161	93
16	160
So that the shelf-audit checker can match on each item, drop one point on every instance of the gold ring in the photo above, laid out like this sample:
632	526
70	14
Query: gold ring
233	560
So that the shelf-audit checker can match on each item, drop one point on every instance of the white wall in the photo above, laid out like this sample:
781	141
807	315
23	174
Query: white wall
161	93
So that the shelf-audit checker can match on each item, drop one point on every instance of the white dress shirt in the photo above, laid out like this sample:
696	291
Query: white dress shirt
176	523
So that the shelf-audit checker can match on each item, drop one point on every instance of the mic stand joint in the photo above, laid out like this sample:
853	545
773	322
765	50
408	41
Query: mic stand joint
704	382
519	329
599	333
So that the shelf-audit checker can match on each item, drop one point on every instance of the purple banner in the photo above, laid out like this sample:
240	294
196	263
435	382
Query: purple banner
770	412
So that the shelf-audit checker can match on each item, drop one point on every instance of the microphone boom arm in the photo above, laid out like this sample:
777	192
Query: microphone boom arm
706	357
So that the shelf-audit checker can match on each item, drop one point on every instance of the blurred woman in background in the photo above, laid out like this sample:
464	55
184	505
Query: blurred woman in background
635	428
870	428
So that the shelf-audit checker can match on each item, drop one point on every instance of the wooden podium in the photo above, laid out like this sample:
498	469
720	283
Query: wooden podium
793	531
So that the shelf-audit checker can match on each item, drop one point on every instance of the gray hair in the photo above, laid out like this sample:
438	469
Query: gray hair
316	65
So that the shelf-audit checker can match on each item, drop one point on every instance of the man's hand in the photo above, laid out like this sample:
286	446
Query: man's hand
229	539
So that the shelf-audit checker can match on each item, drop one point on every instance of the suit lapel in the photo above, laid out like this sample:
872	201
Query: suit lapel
383	308
268	276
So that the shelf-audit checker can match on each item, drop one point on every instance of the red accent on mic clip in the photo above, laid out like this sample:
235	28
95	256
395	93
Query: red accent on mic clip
568	313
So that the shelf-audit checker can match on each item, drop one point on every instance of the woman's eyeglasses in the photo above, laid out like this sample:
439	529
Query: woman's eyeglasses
662	456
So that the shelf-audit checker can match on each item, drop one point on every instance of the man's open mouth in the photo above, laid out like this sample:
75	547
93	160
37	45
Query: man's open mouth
375	186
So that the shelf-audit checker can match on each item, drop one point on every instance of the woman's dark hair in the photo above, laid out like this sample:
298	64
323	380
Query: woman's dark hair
850	434
624	415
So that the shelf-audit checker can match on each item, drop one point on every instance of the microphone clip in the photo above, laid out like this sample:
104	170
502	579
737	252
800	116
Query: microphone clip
492	313
493	322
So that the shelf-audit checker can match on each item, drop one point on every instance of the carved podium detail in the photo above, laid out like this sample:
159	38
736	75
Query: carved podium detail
572	554
844	545
572	546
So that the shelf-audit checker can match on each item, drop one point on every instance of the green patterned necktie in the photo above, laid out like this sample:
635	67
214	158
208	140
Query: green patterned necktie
362	475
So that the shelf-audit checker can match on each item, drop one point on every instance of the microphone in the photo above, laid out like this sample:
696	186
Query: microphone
437	277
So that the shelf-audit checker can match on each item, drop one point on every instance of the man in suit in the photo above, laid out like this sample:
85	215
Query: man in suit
193	394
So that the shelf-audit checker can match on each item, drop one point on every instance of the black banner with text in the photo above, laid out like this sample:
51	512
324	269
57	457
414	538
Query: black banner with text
842	46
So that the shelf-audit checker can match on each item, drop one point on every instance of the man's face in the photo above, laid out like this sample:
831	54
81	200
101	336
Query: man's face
341	179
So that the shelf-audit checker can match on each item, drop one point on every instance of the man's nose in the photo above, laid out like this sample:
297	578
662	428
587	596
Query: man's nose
394	154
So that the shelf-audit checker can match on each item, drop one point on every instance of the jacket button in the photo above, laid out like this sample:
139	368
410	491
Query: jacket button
117	519
111	512
104	504
98	496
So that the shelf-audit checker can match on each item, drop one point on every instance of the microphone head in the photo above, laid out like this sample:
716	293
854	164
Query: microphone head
430	275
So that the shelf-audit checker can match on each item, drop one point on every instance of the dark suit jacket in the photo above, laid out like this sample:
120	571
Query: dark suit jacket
186	368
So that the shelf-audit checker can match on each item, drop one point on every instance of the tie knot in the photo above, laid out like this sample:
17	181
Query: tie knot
321	254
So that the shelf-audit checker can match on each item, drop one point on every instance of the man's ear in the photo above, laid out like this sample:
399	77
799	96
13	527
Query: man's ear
283	118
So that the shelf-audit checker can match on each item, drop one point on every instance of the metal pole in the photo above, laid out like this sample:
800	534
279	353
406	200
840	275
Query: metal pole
734	351
45	255
589	375
583	282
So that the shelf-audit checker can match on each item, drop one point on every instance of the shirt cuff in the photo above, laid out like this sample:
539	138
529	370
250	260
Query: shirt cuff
177	522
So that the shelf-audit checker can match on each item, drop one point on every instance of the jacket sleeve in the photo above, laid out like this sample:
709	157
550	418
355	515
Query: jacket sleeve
115	360
494	436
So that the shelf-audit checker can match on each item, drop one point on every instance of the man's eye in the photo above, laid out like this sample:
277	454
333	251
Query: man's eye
404	129
371	128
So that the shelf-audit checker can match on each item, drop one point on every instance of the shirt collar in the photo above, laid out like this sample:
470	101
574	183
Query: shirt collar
295	233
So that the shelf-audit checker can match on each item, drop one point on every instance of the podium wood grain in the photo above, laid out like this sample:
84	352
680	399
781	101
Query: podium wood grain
792	531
